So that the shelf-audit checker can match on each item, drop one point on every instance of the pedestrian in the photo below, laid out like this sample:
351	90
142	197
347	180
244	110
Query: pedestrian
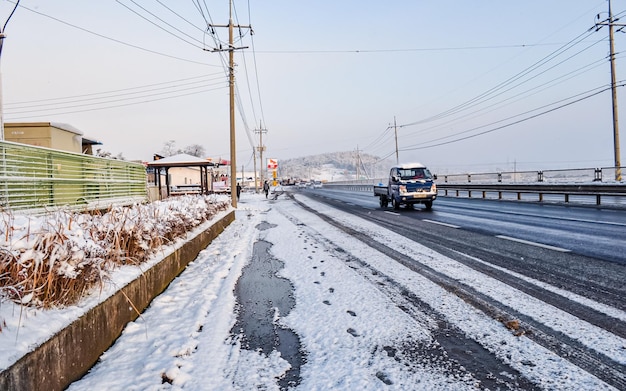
266	188
238	190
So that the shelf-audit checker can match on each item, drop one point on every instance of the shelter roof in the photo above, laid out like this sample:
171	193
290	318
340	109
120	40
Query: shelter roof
181	160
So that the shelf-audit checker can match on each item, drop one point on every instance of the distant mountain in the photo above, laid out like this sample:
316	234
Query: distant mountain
335	166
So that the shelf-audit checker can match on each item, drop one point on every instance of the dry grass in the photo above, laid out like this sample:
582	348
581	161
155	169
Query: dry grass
54	261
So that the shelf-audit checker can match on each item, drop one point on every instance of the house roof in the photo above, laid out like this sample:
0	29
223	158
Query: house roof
58	125
181	160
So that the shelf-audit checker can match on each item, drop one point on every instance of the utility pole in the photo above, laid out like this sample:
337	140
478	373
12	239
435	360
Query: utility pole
256	185
358	166
395	129
231	82
261	148
610	22
2	36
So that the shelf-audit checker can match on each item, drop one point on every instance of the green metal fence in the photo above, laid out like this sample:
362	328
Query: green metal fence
35	180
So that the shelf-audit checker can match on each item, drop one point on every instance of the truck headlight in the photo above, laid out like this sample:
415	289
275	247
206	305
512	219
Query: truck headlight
433	188
402	189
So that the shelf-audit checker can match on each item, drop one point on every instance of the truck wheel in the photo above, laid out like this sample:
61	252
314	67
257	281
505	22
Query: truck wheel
429	205
395	203
383	202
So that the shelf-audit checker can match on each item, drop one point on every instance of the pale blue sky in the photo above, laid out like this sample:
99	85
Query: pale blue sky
325	76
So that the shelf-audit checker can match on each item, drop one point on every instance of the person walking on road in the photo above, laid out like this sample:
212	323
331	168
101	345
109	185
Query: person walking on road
238	191
266	188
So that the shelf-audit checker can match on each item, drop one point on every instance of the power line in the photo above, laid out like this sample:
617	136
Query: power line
436	49
414	147
484	95
181	17
161	27
113	101
115	40
118	91
524	94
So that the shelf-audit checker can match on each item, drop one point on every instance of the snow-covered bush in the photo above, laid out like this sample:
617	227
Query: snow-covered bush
54	260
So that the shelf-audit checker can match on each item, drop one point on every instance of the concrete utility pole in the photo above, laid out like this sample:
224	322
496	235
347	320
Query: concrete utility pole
611	22
231	82
395	129
256	184
261	149
358	167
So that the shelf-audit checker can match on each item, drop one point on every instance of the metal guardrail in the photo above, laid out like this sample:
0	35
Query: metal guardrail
566	176
614	194
591	193
35	179
604	174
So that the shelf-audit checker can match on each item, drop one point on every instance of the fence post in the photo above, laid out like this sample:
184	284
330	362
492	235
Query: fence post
598	175
469	177
539	176
499	177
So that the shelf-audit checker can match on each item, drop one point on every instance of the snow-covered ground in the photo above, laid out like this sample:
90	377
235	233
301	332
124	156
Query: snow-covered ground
344	321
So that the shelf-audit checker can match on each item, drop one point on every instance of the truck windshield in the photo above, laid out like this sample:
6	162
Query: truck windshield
414	173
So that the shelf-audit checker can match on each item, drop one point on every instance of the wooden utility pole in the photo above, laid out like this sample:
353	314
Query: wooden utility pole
610	22
231	82
618	164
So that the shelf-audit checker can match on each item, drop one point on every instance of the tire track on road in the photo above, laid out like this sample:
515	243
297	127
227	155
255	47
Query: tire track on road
593	362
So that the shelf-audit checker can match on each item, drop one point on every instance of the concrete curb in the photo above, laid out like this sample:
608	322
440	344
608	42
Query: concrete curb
69	354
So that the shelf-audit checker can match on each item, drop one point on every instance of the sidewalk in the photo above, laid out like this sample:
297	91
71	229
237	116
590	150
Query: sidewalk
338	328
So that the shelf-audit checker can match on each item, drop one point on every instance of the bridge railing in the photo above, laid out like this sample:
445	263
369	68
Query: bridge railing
594	186
35	180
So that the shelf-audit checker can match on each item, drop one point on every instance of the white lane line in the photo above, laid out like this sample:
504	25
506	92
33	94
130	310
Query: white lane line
606	309
563	250
440	223
392	213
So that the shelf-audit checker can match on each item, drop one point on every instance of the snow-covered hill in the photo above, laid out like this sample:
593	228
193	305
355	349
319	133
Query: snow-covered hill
336	166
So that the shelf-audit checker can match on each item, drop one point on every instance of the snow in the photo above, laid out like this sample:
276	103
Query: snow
342	318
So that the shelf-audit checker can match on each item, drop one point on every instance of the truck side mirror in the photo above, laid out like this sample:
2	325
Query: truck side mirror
395	178
435	177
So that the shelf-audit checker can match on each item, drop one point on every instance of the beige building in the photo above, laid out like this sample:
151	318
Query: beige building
52	135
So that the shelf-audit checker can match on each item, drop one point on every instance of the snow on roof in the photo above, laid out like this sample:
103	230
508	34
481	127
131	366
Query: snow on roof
182	159
409	165
58	125
66	127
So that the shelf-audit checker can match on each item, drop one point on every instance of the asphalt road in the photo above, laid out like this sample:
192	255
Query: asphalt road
598	233
580	250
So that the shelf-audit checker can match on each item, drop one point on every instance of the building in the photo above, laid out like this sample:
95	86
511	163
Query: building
52	135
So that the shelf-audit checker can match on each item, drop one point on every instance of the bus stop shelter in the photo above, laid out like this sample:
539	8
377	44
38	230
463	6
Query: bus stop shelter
162	166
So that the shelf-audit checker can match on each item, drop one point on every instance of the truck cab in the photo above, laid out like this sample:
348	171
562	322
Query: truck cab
410	184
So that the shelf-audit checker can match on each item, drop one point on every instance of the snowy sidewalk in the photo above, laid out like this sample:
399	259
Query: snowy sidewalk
351	334
184	337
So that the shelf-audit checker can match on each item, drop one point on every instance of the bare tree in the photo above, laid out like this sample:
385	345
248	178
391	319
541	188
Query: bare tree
169	148
107	154
196	150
